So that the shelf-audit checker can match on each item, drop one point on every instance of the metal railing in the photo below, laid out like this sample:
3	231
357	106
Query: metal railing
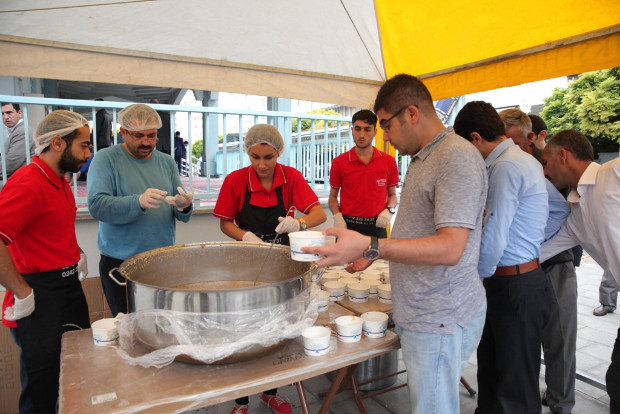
308	151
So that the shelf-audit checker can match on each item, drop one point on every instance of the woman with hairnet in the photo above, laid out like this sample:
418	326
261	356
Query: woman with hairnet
254	204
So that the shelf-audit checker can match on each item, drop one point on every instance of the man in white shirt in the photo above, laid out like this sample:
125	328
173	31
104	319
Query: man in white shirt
594	219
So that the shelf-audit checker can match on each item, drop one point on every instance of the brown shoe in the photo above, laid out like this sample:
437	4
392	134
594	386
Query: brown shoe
602	310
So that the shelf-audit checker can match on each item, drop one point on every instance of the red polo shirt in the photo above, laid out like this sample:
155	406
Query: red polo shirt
295	192
363	188
38	221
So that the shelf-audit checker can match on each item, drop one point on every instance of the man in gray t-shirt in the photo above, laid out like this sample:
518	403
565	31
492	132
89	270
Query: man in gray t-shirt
439	301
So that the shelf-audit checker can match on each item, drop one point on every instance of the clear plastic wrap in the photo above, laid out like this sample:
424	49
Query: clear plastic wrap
210	337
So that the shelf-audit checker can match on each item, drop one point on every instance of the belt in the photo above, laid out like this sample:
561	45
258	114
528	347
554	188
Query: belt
517	269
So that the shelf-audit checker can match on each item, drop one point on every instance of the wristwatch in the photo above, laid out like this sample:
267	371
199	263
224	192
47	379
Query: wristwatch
391	209
373	250
302	224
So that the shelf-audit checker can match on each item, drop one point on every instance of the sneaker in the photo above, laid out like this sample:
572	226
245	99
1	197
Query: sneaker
277	403
239	409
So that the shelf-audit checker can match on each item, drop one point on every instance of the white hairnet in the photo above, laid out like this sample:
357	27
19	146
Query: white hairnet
139	117
58	123
264	134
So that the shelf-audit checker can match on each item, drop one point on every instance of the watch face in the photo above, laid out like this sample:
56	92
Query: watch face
371	254
391	210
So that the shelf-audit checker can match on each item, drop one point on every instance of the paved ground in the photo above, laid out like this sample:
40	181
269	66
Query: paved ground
595	339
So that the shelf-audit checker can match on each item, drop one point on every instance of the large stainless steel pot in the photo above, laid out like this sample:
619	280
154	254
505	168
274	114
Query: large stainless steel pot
154	277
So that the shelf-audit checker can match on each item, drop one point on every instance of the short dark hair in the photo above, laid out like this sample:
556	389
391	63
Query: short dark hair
538	124
16	107
574	142
365	115
402	90
480	117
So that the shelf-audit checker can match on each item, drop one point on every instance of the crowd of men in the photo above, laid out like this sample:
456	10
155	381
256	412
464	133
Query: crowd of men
480	251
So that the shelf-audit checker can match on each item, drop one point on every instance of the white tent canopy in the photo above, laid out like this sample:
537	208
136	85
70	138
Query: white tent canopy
317	50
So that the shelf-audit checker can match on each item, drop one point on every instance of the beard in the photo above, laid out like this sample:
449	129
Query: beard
68	163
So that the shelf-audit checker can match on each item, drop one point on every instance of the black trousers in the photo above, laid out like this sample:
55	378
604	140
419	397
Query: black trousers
613	378
115	295
368	228
509	350
60	306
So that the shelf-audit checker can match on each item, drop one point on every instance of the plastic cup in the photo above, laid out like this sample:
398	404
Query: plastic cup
301	239
375	324
385	293
335	290
323	301
330	240
329	276
367	275
358	292
373	287
105	332
349	328
316	340
348	281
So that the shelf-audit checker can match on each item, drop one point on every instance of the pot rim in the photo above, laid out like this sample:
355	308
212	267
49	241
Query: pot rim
132	261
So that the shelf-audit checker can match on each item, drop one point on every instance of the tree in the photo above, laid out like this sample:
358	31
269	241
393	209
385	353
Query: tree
591	105
306	124
197	149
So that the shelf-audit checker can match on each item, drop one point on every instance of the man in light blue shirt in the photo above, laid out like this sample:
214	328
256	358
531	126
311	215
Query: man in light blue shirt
127	187
516	287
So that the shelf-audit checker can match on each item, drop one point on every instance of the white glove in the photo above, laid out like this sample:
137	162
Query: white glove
339	221
21	308
152	198
82	267
251	237
287	225
384	219
182	200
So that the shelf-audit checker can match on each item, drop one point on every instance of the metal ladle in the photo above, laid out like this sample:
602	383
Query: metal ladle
260	270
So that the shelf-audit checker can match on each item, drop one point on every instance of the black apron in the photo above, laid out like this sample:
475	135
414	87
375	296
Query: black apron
262	221
60	306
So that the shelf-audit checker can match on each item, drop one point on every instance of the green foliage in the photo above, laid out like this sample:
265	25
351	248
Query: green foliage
197	149
591	105
306	124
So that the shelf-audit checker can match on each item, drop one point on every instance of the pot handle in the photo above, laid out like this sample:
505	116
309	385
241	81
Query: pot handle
317	273
110	273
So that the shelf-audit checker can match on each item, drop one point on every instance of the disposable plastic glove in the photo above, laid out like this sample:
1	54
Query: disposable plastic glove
251	237
82	267
339	221
384	219
152	198
182	200
287	225
21	308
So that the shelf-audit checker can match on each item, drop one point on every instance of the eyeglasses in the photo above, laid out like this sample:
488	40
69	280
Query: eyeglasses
384	123
139	135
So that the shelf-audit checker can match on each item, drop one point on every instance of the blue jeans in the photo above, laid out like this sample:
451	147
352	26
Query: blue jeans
435	363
